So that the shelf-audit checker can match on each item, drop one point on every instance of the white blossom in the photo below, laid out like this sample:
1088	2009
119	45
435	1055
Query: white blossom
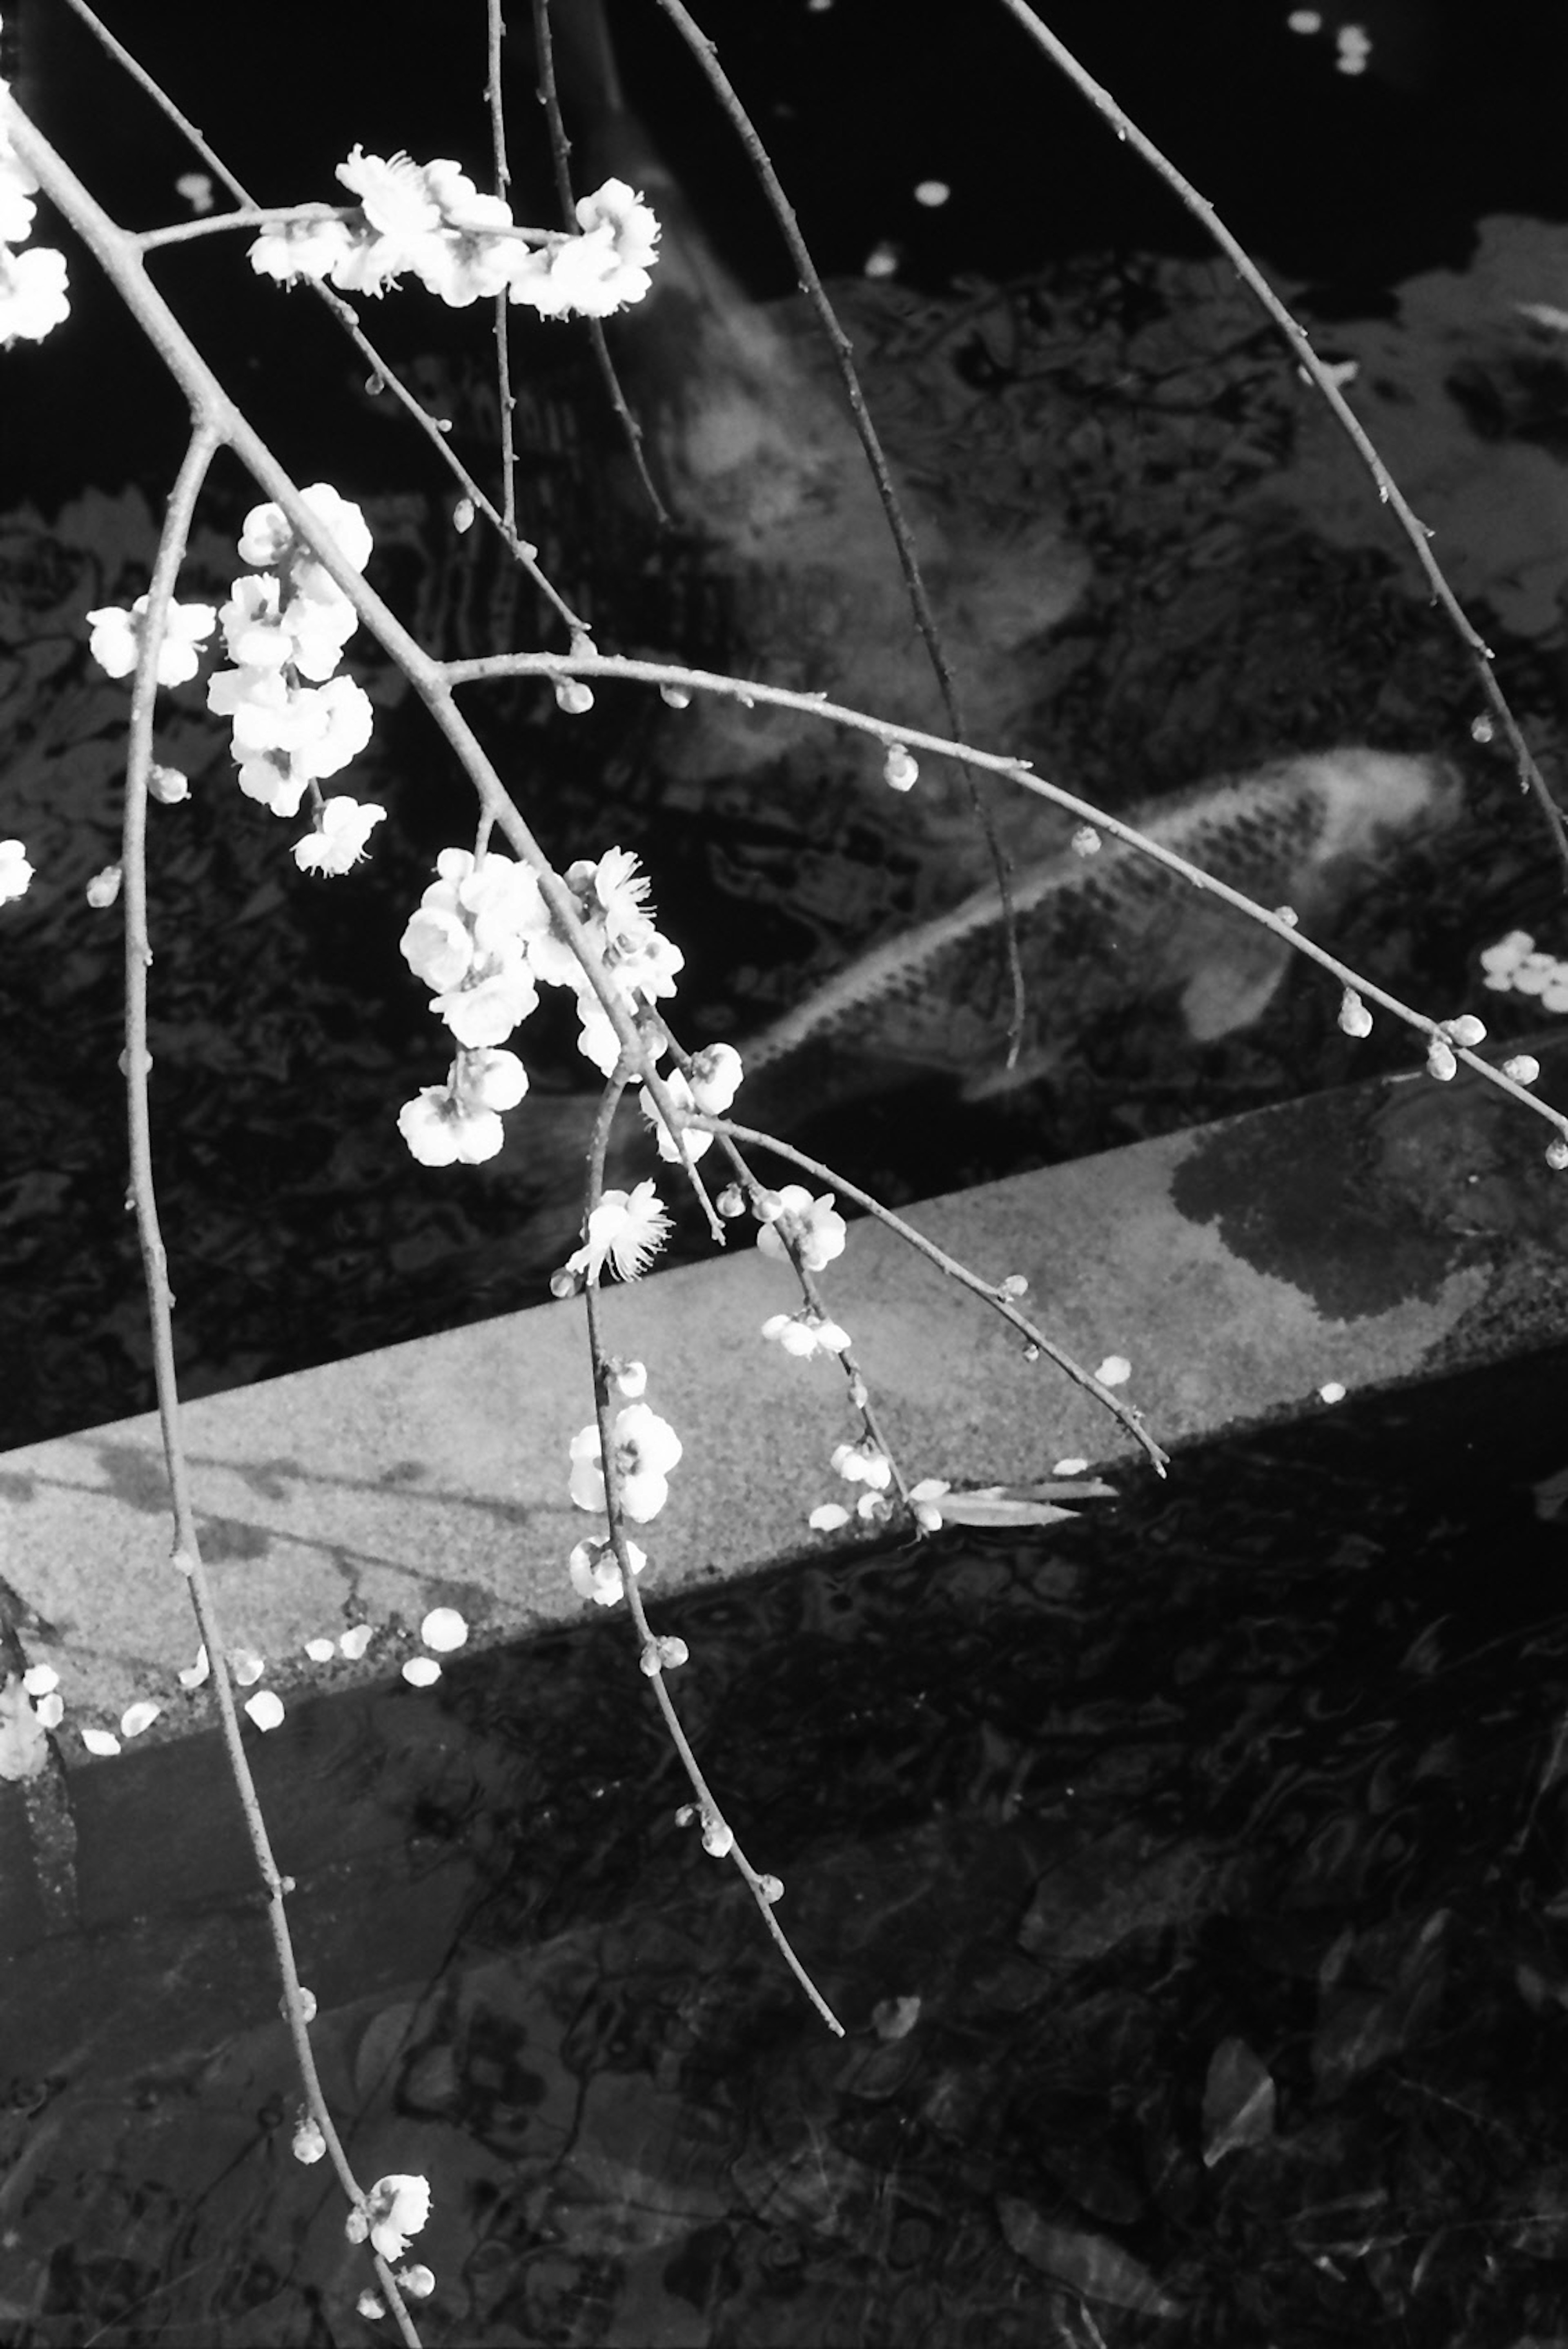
32	297
694	1138
16	873
344	827
863	1463
816	1228
601	270
627	1228
595	1573
805	1334
443	1629
394	2209
716	1078
646	1448
114	639
488	1078
441	1129
313	248
489	1002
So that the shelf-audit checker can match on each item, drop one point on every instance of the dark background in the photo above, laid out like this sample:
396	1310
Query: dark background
1348	181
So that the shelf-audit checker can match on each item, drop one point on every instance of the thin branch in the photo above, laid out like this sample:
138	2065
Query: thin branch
1389	492
755	1882
382	370
204	442
161	99
560	152
839	343
495	27
990	1292
748	691
115	249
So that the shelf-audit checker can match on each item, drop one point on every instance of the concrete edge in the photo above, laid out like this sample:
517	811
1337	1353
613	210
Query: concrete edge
1383	1232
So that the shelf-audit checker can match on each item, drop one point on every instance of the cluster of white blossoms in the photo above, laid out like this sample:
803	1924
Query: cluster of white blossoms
484	940
395	2208
711	1085
858	1464
816	1231
33	296
429	221
646	1448
285	626
1515	963
294	719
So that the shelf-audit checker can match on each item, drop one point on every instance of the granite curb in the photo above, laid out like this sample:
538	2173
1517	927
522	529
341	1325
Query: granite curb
1245	1270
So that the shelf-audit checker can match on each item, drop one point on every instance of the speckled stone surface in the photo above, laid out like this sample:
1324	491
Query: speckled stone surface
1379	1233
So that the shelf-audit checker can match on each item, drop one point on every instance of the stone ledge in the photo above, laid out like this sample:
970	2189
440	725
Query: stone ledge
1380	1232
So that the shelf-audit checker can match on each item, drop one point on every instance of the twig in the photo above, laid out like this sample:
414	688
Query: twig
839	343
1389	492
495	27
990	1292
836	713
615	1510
204	442
115	248
560	152
382	370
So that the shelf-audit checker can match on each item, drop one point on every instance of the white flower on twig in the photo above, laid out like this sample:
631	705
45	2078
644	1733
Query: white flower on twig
394	2209
340	841
627	1229
646	1449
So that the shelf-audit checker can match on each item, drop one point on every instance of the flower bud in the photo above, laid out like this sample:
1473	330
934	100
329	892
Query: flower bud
899	770
1354	1016
575	695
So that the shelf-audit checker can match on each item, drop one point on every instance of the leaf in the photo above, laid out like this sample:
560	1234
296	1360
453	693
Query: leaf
1238	2101
1089	2264
1020	1505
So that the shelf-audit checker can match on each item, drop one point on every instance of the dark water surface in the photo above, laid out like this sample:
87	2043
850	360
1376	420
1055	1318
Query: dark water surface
1191	1883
